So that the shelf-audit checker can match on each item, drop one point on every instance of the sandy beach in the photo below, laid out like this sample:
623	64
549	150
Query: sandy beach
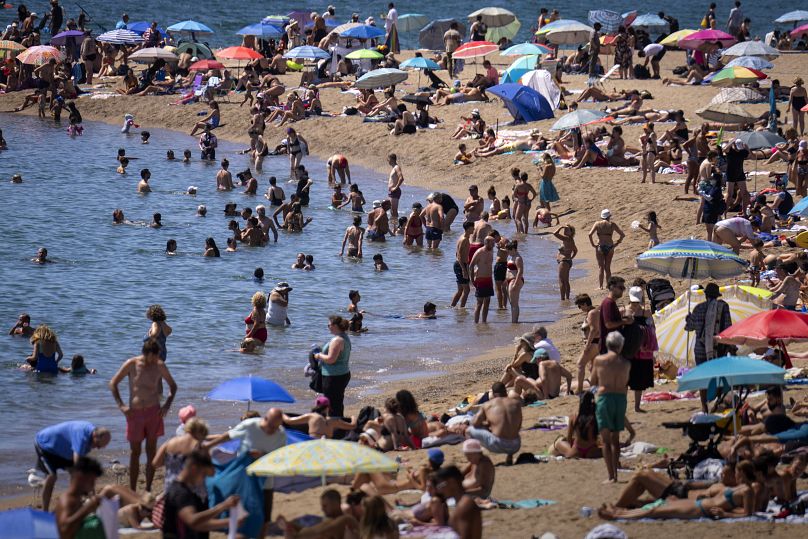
427	162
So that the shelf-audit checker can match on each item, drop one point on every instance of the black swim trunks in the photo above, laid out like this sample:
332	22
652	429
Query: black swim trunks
500	271
458	271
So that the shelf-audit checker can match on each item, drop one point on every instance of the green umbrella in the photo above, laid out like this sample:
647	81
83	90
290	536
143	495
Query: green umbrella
365	54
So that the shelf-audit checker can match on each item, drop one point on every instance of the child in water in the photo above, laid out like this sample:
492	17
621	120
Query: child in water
378	263
430	312
338	197
186	156
358	315
123	163
77	367
144	137
309	263
170	155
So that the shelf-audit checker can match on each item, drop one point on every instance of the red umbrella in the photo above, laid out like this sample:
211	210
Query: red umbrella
473	49
238	53
205	65
778	326
797	32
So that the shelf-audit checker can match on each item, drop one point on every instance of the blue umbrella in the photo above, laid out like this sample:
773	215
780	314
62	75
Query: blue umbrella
419	62
693	259
249	389
363	31
610	21
752	62
519	67
140	27
431	36
28	523
525	104
307	52
191	27
410	22
261	30
800	208
526	49
732	371
650	21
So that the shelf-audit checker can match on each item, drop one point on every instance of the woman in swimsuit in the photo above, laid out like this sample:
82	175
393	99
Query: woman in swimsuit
547	191
159	329
496	205
581	440
47	353
294	147
393	429
648	141
616	150
256	330
501	273
797	99
173	452
567	251
591	332
515	278
275	194
604	250
416	422
414	229
211	120
523	194
800	169
590	155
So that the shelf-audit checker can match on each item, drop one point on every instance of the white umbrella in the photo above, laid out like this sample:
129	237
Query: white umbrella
381	78
493	16
729	113
793	16
120	37
738	95
150	54
572	33
751	48
578	118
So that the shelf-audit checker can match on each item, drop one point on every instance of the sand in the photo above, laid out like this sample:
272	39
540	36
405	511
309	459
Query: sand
427	162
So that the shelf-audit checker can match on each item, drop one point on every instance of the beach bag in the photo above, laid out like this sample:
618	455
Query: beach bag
641	72
659	290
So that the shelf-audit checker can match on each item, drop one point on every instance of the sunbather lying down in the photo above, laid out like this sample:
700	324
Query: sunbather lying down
533	142
458	94
596	94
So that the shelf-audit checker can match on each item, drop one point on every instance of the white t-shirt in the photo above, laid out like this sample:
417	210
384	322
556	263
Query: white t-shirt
254	439
740	227
653	49
548	345
277	313
390	20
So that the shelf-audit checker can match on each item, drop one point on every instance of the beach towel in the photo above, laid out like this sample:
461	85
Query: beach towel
528	503
556	422
435	441
232	479
427	531
638	448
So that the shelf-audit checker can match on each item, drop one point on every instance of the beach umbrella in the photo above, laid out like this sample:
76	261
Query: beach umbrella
525	104
120	37
474	49
692	259
732	371
519	67
736	76
10	49
150	54
277	20
140	27
40	55
250	389
493	16
651	22
346	26
628	17
322	458
205	65
239	53
757	140
798	32
774	325
431	35
190	27
610	21
672	40
796	16
728	113
194	48
307	52
751	48
28	523
495	33
752	62
705	38
381	78
409	22
542	81
572	33
578	118
737	95
60	39
363	31
550	26
419	62
675	343
525	49
262	30
365	54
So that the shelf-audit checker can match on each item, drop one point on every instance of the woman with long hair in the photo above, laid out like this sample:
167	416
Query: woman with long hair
515	279
567	252
375	523
416	422
210	248
47	353
581	440
256	331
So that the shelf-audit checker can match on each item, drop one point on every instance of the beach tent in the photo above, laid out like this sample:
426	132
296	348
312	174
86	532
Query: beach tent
431	35
525	104
542	81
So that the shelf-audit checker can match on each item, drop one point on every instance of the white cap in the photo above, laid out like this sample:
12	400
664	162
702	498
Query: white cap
377	203
635	294
605	214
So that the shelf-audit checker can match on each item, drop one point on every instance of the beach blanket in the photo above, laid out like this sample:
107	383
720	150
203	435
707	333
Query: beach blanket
427	531
641	448
654	396
133	531
529	503
232	478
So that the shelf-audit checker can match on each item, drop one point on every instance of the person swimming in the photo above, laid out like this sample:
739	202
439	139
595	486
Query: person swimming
355	324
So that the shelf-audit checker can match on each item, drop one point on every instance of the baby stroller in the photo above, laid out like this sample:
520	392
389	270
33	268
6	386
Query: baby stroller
705	432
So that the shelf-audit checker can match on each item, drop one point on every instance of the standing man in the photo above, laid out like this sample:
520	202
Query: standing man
144	415
610	317
61	446
391	19
474	205
610	372
478	29
378	222
708	319
594	51
461	266
89	52
57	17
451	40
466	519
496	426
394	183
736	152
735	19
433	221
481	274
259	436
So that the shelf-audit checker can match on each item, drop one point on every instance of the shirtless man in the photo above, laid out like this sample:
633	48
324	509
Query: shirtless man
224	180
378	223
480	473
354	236
604	249
433	220
394	183
284	209
474	205
461	266
144	415
338	164
481	231
466	519
252	234
481	274
41	256
610	373
319	423
498	422
143	184
548	384
266	223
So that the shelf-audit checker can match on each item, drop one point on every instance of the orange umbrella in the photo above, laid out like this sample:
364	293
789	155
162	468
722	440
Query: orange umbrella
239	53
204	65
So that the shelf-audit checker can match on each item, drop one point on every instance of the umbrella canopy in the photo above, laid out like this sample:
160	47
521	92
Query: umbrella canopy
278	20
578	118
194	48
726	113
493	16
800	208
495	33
670	321
572	33
519	67
610	21
542	81
262	30
150	54
525	104
190	27
28	523
693	259
10	49
239	53
418	62
120	37
140	27
205	65
525	49
474	49
362	31
307	52
793	16
60	39
751	48
732	371
431	35
409	22
672	40
758	329
381	78
756	140
737	95
650	21
802	30
342	27
703	38
736	76
250	389
40	55
365	54
752	62
320	458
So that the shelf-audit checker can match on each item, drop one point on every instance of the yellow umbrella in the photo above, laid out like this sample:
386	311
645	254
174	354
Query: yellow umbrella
673	39
744	301
321	458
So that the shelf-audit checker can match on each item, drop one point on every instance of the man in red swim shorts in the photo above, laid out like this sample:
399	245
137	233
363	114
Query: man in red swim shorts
144	415
481	274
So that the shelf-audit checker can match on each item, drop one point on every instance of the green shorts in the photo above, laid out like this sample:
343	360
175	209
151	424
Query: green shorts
610	411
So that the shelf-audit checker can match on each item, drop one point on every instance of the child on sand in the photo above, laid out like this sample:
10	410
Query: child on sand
756	261
652	228
462	157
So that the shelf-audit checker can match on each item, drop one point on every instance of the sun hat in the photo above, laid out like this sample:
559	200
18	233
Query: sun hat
436	455
282	287
186	413
635	294
605	214
371	436
472	446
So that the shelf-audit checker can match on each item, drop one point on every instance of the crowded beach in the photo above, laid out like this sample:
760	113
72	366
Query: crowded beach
670	163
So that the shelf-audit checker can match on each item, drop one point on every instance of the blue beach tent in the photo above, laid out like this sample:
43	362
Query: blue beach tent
525	104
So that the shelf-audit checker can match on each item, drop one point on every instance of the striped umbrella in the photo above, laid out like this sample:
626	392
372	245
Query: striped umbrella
120	37
736	76
752	62
675	343
347	26
473	49
692	259
307	52
524	49
751	48
40	55
672	40
381	78
610	21
10	49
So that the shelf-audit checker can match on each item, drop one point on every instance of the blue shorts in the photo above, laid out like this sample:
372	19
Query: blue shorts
433	234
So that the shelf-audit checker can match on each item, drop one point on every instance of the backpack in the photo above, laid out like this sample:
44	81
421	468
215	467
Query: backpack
641	72
659	290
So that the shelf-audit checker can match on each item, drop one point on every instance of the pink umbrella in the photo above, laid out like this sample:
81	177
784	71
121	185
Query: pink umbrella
797	32
705	38
473	49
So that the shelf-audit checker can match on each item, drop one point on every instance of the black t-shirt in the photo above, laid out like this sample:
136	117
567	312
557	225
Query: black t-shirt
178	497
735	160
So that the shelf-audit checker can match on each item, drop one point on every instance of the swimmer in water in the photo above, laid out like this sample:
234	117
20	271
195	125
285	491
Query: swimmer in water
258	275
309	263
354	238
41	256
77	367
355	325
143	186
231	245
201	211
300	263
186	156
210	249
156	221
356	199
338	198
144	137
429	313
23	327
17	178
170	155
117	217
230	210
378	263
122	164
171	247
224	179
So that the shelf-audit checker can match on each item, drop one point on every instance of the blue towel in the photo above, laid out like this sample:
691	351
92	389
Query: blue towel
529	503
232	479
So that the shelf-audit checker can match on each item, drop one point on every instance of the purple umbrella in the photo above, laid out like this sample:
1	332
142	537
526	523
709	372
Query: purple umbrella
59	40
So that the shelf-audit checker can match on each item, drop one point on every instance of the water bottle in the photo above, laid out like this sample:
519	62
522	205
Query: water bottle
586	512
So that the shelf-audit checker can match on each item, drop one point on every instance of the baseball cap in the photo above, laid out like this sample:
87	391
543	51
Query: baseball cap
541	353
186	413
321	401
472	446
635	294
436	455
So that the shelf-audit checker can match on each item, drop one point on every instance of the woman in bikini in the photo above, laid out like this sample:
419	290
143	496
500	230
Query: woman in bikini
414	229
581	440
496	205
256	331
590	155
800	169
515	278
294	147
417	427
604	249
797	99
158	329
523	194
591	331
211	120
567	251
501	273
648	141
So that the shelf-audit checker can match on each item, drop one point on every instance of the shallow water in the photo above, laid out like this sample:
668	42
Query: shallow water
103	277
